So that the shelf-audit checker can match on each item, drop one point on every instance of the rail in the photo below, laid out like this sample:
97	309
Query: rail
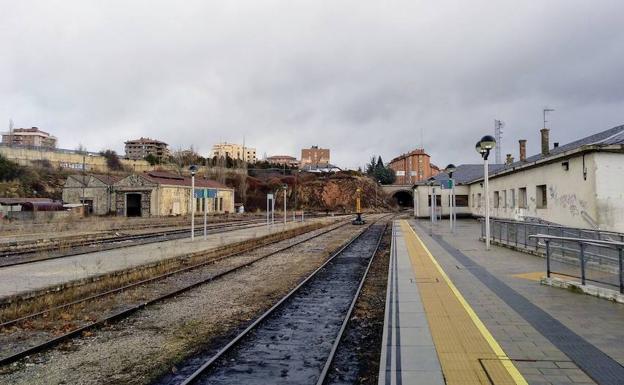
583	243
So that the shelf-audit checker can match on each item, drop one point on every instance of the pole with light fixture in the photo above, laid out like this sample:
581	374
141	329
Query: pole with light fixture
193	170
285	187
483	147
450	169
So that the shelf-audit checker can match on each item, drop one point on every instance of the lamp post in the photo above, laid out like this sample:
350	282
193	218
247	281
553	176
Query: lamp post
483	147
193	170
450	169
285	187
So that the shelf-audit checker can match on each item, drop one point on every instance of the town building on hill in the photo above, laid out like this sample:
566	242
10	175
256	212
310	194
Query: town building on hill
234	151
29	137
314	156
140	148
282	160
415	166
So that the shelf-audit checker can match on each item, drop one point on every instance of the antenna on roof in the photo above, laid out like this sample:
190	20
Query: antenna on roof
498	135
546	109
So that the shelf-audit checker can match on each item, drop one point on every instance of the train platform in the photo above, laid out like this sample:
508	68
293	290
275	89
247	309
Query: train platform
40	275
458	314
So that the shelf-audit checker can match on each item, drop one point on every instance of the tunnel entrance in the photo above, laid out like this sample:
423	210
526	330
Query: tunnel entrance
403	198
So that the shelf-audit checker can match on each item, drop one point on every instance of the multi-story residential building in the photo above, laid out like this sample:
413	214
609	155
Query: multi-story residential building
29	137
314	156
415	166
140	148
234	151
287	160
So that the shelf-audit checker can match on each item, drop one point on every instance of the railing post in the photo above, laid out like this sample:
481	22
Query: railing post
507	234
582	263
621	263
547	241
516	227
526	244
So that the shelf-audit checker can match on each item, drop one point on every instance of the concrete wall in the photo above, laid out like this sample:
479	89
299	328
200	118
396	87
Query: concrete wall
609	179
571	194
102	196
66	159
422	201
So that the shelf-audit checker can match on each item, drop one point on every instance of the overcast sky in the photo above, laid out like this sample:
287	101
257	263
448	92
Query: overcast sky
360	77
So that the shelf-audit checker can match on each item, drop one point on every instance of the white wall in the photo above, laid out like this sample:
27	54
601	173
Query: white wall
571	196
422	200
609	177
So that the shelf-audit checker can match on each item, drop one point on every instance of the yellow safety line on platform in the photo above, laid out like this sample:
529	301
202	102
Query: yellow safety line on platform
453	353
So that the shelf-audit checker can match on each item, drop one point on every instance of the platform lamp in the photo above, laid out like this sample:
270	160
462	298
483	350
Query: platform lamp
450	169
193	170
285	187
483	147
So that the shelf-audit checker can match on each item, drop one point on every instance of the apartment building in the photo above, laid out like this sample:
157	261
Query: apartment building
29	137
142	147
234	151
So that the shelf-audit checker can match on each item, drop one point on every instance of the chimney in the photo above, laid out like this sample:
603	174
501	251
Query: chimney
509	160
545	144
522	150
556	144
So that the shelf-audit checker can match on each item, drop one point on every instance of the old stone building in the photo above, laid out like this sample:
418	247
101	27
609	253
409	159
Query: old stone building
153	193
162	194
96	192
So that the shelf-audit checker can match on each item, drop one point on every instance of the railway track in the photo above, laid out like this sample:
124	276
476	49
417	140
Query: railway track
20	257
294	342
119	314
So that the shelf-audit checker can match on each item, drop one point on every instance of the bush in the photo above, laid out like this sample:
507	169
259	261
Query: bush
112	160
9	170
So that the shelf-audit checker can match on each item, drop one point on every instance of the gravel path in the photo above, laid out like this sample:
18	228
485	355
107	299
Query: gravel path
147	345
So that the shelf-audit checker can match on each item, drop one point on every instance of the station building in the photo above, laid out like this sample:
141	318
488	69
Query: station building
153	193
95	191
579	184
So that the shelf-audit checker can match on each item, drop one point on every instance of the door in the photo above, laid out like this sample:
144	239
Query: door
133	205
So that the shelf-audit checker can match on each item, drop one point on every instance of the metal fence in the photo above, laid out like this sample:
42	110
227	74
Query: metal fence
590	255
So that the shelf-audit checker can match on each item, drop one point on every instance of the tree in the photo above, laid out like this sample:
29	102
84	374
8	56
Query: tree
112	160
152	159
9	170
376	170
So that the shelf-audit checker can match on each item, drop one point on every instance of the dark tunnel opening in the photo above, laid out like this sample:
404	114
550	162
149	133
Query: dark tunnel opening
403	198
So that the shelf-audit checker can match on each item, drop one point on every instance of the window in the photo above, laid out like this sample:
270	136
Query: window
522	198
479	200
512	198
438	199
473	201
496	199
504	198
541	200
461	200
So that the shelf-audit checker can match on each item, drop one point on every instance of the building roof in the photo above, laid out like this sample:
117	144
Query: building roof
418	151
281	157
166	178
465	173
21	201
611	137
320	167
143	140
106	179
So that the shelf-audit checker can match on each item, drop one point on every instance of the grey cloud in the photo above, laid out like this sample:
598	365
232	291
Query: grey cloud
358	77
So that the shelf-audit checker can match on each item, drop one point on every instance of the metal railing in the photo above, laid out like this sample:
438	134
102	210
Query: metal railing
598	253
584	257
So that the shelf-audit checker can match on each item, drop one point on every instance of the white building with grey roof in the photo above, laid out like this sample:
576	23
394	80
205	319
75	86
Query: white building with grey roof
579	184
